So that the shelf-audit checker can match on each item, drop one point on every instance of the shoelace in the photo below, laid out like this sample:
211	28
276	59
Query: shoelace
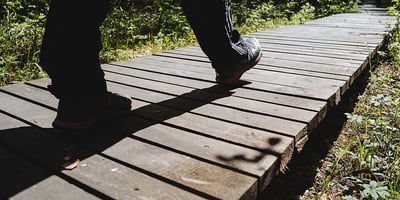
246	45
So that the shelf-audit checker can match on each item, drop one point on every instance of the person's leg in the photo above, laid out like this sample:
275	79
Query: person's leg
229	54
212	24
70	55
70	48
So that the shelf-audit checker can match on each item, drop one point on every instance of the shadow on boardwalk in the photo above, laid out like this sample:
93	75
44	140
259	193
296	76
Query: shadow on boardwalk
32	154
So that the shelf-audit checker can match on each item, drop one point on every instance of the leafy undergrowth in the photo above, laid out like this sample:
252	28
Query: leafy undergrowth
139	27
364	162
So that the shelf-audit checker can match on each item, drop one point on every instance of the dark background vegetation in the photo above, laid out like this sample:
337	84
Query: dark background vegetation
138	27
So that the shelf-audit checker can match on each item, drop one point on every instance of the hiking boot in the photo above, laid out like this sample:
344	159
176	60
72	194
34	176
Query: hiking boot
230	75
79	115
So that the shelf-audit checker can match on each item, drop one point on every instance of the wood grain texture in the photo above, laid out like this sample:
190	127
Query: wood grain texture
186	137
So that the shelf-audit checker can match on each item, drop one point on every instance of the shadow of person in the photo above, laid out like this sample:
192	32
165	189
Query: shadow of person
30	154
257	158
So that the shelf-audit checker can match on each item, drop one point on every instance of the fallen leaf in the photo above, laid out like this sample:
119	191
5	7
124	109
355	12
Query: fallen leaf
71	165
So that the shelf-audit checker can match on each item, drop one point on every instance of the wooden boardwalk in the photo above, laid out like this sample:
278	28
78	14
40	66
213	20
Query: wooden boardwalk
187	138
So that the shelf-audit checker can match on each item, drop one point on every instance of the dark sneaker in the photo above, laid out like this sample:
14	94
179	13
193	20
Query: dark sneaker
230	75
79	115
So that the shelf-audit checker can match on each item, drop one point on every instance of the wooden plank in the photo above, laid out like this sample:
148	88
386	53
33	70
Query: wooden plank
264	64
373	51
223	98
191	170
352	40
280	55
367	31
300	61
332	22
264	142
217	103
38	95
370	16
351	18
297	69
198	55
356	19
312	39
169	139
302	86
298	50
328	36
207	74
314	45
349	38
150	96
344	32
217	182
95	172
245	135
196	52
315	51
216	129
312	59
22	179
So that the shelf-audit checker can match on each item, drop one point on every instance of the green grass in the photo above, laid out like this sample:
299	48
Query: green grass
367	160
367	154
20	39
133	30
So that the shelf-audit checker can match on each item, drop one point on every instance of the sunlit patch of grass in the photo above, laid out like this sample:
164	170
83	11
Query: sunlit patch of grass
367	154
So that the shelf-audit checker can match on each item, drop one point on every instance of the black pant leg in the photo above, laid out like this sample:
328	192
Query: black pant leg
71	45
211	22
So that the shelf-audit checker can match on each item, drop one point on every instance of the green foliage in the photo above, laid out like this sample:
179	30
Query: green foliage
255	15
375	190
348	197
157	25
138	27
21	30
394	46
366	166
